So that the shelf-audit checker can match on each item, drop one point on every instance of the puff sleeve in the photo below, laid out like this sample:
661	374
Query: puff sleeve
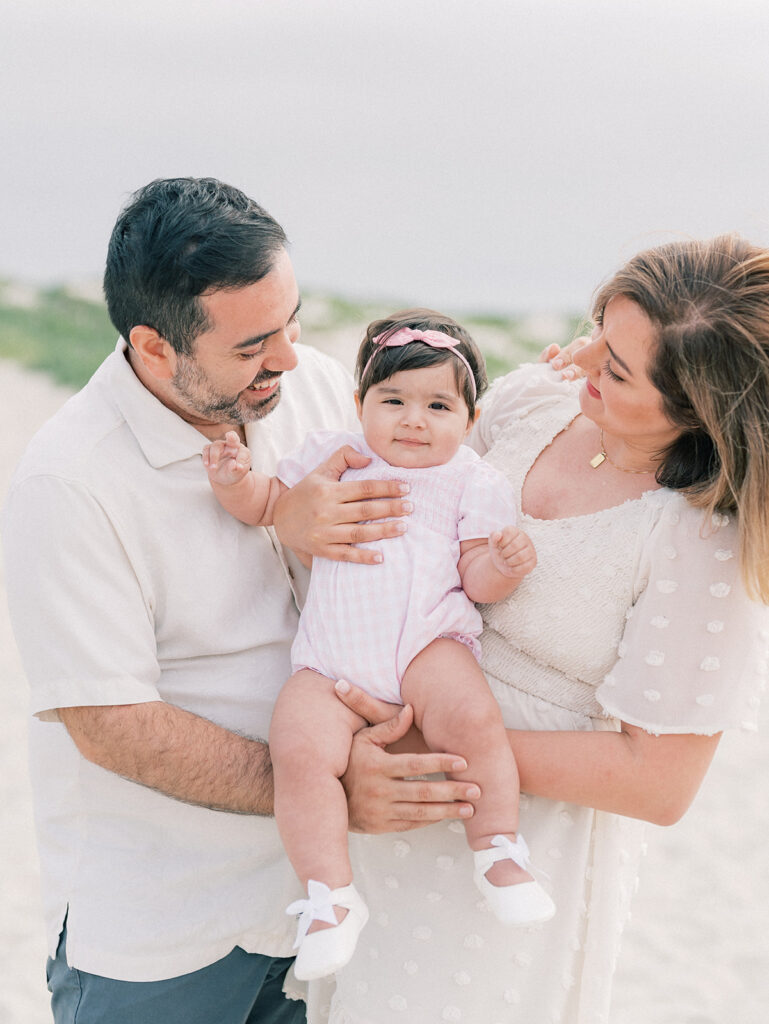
693	656
514	396
316	448
487	503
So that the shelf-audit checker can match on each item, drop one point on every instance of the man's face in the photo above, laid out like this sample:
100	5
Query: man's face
233	374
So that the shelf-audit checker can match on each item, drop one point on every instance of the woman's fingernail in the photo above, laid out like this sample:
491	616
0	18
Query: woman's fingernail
407	506
342	686
404	488
472	793
465	812
459	766
378	557
400	527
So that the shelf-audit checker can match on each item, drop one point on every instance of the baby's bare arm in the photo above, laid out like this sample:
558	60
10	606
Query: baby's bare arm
248	496
491	569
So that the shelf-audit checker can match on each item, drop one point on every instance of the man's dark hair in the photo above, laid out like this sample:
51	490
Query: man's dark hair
176	239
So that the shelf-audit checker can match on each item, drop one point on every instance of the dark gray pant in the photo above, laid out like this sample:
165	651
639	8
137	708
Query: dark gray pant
241	988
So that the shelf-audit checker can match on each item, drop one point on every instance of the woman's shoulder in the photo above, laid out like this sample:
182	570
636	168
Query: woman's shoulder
516	395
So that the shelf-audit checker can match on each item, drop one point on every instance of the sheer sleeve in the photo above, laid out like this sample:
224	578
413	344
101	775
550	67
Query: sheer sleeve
316	448
514	396
693	657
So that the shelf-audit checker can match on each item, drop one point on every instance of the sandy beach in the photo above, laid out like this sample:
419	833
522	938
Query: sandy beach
696	951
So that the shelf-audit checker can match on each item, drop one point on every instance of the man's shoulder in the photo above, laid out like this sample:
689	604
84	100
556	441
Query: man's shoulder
69	443
313	363
318	393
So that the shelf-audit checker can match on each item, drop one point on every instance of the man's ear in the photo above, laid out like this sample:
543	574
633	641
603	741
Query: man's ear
158	356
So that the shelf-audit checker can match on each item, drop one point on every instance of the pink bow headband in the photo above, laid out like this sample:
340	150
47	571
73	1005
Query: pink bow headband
435	339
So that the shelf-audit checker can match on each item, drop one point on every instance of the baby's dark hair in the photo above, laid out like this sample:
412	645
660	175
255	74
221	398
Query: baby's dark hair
417	355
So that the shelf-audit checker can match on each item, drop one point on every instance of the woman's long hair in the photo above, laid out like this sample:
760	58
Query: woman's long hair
708	302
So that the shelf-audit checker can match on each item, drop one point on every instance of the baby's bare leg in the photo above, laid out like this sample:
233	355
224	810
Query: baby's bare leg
310	740
455	710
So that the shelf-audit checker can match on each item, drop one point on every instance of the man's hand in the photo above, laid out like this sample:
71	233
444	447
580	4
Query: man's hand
326	518
383	792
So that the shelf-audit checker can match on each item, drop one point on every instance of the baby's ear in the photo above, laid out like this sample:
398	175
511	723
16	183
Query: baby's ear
358	404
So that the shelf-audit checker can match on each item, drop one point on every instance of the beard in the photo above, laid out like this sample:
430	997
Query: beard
195	387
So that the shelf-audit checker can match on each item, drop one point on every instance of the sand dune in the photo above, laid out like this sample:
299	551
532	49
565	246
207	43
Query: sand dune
696	952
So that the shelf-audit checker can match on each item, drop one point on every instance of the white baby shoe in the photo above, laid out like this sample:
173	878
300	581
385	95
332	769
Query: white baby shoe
522	903
328	949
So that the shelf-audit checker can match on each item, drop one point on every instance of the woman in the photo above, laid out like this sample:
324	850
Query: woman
639	637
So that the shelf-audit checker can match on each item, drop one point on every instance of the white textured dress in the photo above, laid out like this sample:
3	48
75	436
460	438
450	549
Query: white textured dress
634	613
366	623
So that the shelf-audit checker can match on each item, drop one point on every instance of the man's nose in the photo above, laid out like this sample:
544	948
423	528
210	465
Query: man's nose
282	355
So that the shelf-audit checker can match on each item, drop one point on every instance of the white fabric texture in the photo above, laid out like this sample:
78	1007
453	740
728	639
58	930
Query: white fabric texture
432	951
128	582
365	623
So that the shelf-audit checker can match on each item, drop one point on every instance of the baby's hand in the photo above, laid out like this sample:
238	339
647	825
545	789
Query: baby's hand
563	358
512	553
227	461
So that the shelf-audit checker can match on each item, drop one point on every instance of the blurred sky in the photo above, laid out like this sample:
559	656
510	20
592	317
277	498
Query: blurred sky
500	155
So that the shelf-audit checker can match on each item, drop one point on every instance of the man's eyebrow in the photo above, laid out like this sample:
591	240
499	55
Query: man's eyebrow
617	359
263	337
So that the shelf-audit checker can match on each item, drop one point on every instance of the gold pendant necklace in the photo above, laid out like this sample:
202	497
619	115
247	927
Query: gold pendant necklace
603	456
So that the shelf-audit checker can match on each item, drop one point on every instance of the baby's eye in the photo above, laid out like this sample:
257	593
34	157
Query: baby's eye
438	405
392	401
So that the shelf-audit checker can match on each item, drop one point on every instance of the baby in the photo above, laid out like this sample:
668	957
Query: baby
405	630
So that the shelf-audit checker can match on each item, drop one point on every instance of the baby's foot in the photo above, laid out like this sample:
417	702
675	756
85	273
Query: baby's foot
511	893
326	950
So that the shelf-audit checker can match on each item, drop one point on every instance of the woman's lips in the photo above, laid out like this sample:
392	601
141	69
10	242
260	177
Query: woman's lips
592	391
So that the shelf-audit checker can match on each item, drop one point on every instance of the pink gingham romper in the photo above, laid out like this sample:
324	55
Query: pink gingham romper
365	623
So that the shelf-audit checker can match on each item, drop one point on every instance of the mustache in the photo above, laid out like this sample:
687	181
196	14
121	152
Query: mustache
265	375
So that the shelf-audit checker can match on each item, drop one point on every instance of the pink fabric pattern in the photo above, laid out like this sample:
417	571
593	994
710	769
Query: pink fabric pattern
365	623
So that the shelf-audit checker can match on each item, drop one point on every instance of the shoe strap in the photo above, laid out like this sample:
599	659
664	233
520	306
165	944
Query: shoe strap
319	906
504	848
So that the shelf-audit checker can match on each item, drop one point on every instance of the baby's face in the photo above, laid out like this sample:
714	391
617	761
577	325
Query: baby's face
416	418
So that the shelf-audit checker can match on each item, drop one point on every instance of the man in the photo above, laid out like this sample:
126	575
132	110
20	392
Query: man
155	629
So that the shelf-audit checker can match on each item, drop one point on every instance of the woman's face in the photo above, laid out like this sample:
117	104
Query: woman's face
618	394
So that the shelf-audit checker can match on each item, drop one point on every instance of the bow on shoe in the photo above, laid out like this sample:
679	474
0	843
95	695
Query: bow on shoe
318	907
517	851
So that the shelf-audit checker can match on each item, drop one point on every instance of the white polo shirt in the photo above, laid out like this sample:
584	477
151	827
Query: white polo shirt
127	582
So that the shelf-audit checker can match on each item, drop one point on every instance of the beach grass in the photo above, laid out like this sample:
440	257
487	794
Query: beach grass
66	333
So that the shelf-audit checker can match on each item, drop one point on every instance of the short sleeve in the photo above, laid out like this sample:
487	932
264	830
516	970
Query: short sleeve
318	446
487	503
693	657
82	624
514	396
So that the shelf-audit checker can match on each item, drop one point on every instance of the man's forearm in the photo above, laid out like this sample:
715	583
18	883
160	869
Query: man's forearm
177	753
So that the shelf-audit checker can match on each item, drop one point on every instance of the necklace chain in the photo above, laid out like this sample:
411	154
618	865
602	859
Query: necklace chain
603	456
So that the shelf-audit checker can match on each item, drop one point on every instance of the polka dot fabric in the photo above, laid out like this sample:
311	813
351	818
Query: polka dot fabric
639	593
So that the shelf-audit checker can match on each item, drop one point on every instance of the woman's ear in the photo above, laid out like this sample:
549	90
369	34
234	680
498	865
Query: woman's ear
158	357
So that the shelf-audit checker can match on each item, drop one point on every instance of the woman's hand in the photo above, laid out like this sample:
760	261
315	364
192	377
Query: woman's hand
563	358
326	518
383	794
